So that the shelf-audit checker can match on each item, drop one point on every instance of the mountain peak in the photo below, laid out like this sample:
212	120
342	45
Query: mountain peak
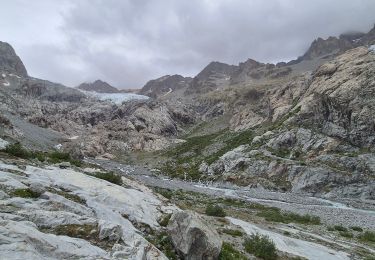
98	86
9	61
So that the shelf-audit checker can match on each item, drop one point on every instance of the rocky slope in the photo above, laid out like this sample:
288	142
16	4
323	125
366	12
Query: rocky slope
98	86
313	134
70	114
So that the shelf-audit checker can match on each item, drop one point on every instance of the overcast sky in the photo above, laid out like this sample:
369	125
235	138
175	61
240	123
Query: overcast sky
128	42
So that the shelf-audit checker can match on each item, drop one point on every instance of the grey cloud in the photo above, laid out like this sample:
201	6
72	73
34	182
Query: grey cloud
129	42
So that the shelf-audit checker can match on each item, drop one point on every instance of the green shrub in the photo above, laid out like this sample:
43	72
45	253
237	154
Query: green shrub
39	155
228	252
56	157
261	246
232	232
368	236
164	243
109	176
346	234
340	228
215	210
17	150
358	229
164	220
25	193
276	215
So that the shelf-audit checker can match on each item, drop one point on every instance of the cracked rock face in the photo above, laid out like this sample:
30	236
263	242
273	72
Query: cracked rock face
80	217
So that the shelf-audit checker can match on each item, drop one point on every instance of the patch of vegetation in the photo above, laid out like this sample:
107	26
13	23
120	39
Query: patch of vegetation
228	252
340	228
25	193
109	176
215	210
164	220
232	232
358	229
286	233
346	234
261	246
164	243
367	236
276	215
69	196
18	150
187	157
164	192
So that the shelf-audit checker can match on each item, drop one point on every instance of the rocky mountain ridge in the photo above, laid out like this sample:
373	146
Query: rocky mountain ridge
98	86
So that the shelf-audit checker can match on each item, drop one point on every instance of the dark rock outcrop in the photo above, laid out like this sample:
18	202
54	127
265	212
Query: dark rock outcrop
99	87
163	85
10	62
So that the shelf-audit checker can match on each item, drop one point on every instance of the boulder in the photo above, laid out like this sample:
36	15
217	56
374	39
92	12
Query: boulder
192	238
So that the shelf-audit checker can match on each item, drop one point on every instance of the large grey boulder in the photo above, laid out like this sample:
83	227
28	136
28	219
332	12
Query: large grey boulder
192	238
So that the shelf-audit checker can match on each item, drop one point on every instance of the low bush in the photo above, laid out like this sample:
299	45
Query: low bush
340	228
261	246
368	236
232	232
215	210
17	150
228	252
276	215
109	176
25	193
346	234
358	229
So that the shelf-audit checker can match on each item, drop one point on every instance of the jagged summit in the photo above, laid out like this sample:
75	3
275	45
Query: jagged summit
98	86
163	85
9	61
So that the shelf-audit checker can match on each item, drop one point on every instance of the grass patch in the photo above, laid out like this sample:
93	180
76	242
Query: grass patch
164	243
69	196
276	215
228	252
340	228
358	229
109	176
164	220
215	210
367	236
232	232
19	151
261	246
25	193
346	234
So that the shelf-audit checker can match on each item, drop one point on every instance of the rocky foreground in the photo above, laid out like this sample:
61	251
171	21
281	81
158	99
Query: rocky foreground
59	212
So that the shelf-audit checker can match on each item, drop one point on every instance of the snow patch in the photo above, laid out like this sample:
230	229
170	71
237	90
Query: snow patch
6	84
372	48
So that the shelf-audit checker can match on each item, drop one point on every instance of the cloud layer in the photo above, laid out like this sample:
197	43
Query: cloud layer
128	42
